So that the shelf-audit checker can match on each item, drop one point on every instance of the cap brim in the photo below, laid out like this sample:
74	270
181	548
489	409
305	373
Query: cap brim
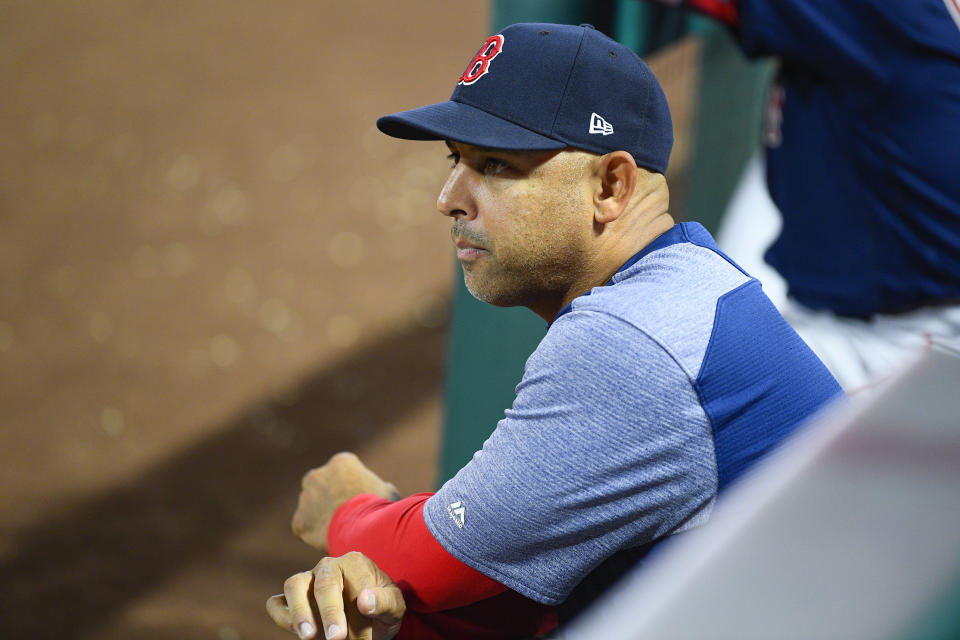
462	123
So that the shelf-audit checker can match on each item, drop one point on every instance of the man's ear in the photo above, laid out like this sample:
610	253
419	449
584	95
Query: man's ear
618	178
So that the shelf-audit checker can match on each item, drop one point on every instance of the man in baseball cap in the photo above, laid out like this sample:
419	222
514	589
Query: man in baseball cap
538	87
665	372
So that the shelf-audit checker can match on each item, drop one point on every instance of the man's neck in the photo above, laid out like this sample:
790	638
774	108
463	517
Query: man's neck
646	218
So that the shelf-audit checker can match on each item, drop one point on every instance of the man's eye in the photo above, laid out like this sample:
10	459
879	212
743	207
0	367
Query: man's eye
494	166
454	158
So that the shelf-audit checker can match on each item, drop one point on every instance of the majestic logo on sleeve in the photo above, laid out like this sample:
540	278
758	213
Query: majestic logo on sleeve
458	512
480	64
599	125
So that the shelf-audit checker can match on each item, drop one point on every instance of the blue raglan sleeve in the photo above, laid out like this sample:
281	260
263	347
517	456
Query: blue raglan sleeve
847	39
606	447
836	37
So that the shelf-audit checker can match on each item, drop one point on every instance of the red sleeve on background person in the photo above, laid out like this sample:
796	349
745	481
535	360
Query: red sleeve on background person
445	598
723	10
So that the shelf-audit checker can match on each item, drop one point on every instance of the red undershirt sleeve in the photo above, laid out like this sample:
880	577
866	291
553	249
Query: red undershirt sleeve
444	596
395	536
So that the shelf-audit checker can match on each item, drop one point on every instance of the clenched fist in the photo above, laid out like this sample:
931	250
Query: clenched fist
325	488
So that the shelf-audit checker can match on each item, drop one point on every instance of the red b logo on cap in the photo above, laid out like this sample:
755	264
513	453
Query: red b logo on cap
481	62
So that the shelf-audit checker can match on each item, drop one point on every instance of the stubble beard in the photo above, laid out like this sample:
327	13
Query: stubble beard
535	269
541	275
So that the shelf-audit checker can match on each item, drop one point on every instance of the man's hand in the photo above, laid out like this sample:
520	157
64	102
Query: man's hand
325	488
354	599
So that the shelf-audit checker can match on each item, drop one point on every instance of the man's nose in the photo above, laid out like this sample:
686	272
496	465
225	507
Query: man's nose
455	199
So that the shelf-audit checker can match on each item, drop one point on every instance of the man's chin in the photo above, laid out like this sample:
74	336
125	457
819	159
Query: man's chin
488	294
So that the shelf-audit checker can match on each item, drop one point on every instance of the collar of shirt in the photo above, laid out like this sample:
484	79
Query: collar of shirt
673	236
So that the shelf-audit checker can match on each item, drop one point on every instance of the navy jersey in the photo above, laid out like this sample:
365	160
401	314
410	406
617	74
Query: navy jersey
865	167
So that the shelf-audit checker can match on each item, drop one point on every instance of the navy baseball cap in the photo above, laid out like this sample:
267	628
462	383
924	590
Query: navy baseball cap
537	86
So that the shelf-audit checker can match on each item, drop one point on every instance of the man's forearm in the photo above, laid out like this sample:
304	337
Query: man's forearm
395	536
445	597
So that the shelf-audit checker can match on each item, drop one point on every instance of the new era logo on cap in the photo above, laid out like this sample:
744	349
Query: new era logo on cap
599	125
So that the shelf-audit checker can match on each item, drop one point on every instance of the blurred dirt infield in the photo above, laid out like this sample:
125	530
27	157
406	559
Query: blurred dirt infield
214	273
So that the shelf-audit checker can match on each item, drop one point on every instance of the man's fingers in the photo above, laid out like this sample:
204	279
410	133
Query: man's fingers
328	593
279	612
382	603
296	590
